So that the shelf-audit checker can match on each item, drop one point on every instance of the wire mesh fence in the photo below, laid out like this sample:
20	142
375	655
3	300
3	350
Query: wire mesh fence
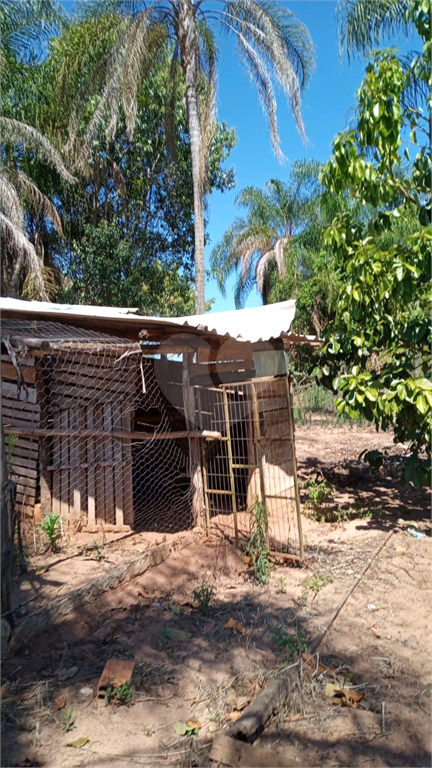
86	428
254	460
96	433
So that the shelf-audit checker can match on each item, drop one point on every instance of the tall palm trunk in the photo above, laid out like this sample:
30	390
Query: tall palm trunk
189	51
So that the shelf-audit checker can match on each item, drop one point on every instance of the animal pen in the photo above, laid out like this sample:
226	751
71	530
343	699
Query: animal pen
148	424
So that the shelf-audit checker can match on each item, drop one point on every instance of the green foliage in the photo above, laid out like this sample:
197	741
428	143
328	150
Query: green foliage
51	526
316	583
106	269
98	547
288	644
257	547
377	350
319	493
120	695
203	595
68	718
309	399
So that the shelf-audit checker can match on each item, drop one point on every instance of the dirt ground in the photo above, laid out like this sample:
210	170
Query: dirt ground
190	667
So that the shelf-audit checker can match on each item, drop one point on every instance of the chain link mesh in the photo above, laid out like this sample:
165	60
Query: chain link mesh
88	419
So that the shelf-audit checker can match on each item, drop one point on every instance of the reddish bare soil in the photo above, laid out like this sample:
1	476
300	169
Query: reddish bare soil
189	667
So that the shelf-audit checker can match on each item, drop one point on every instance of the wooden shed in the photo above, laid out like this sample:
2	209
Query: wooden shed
151	423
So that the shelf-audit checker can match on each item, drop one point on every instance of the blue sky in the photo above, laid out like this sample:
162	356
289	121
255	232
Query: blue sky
328	104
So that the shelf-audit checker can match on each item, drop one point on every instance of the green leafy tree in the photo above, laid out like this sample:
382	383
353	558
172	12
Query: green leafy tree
105	269
132	186
377	350
271	42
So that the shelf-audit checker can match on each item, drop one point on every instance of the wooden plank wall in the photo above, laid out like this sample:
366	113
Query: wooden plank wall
92	477
21	411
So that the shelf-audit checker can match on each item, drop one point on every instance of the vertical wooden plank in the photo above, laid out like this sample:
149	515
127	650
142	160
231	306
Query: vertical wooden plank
203	464
75	491
109	465
65	484
91	468
118	481
42	397
198	503
290	410
230	464
56	459
128	506
258	437
99	468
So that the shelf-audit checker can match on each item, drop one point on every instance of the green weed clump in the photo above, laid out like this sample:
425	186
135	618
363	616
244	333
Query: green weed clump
120	695
290	645
51	526
203	595
68	719
257	547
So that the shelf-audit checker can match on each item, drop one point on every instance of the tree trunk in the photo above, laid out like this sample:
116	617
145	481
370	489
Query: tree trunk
189	51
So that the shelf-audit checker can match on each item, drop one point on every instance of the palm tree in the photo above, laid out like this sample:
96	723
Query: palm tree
25	28
264	244
273	44
22	259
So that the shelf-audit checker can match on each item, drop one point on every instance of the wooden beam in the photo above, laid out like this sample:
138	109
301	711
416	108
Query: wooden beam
190	434
291	429
198	501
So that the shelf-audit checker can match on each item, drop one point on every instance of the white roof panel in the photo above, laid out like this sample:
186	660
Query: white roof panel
254	324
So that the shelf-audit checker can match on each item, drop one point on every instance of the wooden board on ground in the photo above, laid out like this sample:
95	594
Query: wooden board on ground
231	752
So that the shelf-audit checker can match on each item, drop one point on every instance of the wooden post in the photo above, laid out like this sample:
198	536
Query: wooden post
258	442
230	464
294	461
204	465
198	503
42	394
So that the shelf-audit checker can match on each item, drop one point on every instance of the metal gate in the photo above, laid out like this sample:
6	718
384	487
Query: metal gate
254	460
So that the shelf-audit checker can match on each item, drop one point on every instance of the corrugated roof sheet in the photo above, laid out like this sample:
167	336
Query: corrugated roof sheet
255	324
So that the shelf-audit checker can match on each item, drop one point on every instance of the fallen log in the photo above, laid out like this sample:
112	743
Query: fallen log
260	711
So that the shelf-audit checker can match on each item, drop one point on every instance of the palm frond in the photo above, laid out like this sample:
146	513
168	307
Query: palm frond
30	289
26	26
362	24
10	202
142	45
283	49
16	132
36	200
22	254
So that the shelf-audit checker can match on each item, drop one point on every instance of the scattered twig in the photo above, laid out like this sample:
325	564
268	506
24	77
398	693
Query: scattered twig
383	728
